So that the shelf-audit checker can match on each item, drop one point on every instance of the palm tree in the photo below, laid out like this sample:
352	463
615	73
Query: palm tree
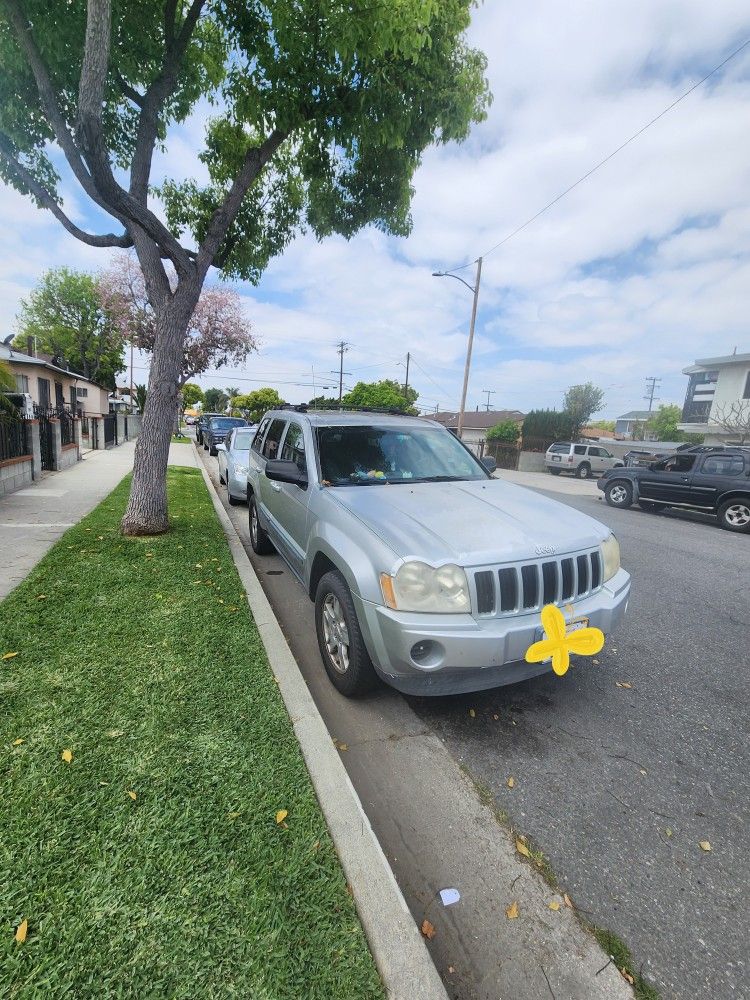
140	397
7	382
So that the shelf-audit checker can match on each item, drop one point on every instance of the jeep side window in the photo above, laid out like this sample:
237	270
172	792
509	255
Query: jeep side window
579	449
259	436
273	439
294	446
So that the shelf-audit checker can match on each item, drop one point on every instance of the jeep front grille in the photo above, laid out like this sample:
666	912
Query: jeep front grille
526	587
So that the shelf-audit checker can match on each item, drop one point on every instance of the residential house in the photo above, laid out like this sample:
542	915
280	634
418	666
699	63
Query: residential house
627	426
477	423
715	385
50	385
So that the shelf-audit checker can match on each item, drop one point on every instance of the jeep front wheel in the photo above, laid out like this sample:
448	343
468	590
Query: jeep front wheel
342	647
261	543
734	515
619	494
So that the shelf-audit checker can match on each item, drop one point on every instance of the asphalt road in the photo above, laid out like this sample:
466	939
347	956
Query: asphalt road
618	785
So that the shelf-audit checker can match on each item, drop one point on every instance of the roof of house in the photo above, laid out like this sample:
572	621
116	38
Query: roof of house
14	356
726	359
635	415
480	420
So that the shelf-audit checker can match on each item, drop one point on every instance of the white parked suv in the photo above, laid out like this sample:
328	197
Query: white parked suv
581	459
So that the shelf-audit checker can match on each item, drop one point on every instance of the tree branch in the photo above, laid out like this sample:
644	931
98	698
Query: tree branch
46	200
130	92
255	159
93	80
158	92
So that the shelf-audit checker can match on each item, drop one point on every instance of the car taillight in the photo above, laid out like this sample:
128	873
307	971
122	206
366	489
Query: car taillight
570	458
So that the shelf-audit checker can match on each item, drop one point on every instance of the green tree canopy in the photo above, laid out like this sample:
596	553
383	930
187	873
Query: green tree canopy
662	426
140	397
384	395
191	394
65	315
506	430
321	114
254	404
323	402
215	401
547	424
582	402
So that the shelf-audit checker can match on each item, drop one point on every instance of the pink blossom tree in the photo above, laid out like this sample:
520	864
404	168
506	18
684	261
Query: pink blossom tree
218	332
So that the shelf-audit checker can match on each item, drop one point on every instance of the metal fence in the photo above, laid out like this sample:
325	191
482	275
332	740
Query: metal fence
110	430
506	455
67	433
14	437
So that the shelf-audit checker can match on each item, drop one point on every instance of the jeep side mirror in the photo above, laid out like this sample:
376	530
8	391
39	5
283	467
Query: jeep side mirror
286	472
489	463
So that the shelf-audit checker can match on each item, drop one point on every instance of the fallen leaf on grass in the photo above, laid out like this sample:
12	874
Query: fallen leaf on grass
567	900
512	911
554	905
626	975
132	795
705	845
67	756
523	849
21	932
8	656
114	733
233	815
668	832
428	930
511	782
281	815
41	597
18	742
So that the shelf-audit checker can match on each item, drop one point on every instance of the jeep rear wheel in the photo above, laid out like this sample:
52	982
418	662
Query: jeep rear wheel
734	515
555	472
342	647
619	494
583	471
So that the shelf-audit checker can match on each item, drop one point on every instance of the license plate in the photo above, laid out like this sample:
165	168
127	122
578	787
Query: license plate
555	458
573	626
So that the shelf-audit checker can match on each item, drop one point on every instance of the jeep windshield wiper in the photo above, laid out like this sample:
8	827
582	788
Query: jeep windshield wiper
437	479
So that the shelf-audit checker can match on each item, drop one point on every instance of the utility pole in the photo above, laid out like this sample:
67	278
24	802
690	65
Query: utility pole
651	385
342	348
406	383
489	392
470	346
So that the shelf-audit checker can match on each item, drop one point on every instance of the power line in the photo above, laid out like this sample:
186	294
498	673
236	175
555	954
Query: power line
460	267
488	392
651	385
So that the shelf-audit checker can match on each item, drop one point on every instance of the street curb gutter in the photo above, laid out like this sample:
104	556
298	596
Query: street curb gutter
400	954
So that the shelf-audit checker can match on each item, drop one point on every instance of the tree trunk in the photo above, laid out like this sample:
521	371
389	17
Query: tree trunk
146	513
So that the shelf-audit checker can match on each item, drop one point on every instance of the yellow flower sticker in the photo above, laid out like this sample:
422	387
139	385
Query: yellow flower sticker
559	643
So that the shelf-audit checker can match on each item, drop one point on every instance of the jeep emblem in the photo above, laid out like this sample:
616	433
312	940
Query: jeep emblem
545	550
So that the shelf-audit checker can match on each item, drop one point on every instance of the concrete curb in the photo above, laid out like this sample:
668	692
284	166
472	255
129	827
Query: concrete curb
400	954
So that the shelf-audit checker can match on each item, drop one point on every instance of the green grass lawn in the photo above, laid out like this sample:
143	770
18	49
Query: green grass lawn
141	658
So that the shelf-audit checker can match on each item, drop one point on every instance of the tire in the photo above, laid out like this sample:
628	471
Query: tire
212	452
619	493
347	663
583	471
205	446
233	501
221	481
734	515
261	543
555	472
650	506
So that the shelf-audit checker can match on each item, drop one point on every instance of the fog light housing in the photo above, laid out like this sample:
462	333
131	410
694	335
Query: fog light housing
427	653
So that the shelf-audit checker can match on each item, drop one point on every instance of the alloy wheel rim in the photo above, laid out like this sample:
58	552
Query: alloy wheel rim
336	633
254	524
738	515
618	494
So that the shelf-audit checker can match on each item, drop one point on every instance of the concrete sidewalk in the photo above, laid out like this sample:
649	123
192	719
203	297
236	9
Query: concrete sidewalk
32	519
552	484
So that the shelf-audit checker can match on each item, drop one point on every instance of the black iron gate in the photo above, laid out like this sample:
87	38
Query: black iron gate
46	437
110	430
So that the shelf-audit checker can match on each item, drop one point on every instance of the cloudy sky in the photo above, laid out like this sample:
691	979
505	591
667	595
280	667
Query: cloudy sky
641	269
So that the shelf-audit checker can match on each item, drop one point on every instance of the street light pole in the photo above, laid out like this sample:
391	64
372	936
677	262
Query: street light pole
467	367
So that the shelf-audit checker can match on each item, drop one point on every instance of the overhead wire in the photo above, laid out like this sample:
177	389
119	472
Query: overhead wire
584	177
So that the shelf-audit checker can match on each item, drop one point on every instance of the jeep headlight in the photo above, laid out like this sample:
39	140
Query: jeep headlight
610	557
419	587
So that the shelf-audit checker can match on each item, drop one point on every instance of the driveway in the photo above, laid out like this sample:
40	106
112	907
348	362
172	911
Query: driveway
619	785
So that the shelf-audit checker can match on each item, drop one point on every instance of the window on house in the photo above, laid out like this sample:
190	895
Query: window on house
746	393
81	392
22	383
43	384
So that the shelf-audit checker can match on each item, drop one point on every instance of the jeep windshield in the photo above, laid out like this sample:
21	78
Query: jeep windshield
368	456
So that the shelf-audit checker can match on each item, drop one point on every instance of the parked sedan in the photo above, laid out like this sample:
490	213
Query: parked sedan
232	460
217	429
710	480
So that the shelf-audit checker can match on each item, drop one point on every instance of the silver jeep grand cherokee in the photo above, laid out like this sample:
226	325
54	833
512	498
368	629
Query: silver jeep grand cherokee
424	569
